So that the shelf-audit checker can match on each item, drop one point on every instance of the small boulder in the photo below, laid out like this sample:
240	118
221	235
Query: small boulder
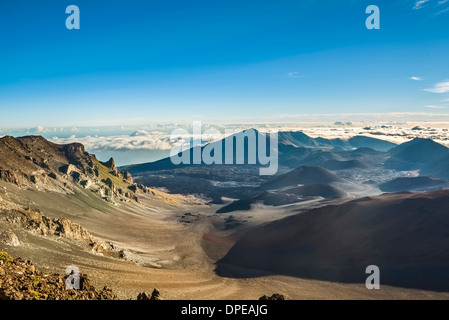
52	175
127	177
10	239
67	169
275	296
86	183
143	296
146	296
156	295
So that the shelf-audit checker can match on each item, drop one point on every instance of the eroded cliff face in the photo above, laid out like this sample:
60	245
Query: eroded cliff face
33	162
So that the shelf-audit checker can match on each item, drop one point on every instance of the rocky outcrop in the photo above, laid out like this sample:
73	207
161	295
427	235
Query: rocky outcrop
9	238
19	280
67	169
9	176
146	296
145	189
76	154
21	179
86	183
33	162
127	177
110	164
107	249
275	296
34	221
52	175
109	183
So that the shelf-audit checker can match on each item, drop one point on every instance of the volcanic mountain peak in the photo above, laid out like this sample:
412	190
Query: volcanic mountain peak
297	139
373	143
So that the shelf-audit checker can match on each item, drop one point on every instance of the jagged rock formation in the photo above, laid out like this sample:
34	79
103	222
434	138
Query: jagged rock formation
146	296
19	280
111	165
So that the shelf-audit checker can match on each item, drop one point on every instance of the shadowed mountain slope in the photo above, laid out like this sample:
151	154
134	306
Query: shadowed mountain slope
302	175
405	235
413	184
416	154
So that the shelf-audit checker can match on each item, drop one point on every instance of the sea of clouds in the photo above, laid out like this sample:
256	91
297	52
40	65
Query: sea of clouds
149	143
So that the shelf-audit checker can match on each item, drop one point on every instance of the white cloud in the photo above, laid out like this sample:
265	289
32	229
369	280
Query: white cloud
415	78
445	100
122	142
419	4
38	129
442	2
435	107
441	87
294	75
139	140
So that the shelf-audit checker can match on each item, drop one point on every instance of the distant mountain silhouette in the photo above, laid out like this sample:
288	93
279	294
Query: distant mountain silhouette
416	154
297	139
295	148
373	143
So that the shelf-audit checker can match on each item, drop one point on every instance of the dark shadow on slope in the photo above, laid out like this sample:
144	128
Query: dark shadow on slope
406	235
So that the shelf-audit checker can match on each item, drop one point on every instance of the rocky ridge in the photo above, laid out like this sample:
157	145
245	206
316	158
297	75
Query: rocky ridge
34	162
34	221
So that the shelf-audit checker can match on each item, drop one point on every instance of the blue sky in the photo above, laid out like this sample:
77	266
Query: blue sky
136	62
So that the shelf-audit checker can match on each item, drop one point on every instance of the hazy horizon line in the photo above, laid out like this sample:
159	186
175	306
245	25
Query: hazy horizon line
294	118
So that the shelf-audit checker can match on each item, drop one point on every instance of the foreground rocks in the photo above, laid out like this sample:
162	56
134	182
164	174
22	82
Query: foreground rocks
146	296
275	296
19	280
